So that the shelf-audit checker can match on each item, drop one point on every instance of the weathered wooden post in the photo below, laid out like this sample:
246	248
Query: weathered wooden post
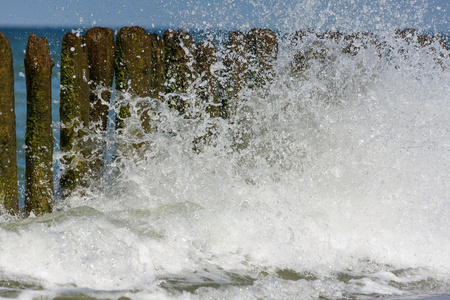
263	51
133	74
236	69
299	44
101	49
8	158
74	111
179	50
38	136
156	65
101	52
207	89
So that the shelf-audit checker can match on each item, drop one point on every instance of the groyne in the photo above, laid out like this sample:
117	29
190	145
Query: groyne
166	67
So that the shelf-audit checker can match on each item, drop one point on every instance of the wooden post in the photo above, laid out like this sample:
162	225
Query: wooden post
156	65
74	111
133	56
38	136
207	89
8	158
299	60
236	69
206	58
100	45
101	51
179	49
263	51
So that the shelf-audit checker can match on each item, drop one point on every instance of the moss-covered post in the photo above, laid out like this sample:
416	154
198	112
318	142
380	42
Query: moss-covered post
179	49
236	69
208	75
74	111
133	54
38	136
263	51
8	158
156	65
101	49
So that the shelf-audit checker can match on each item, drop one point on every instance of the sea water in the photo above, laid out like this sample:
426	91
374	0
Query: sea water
331	183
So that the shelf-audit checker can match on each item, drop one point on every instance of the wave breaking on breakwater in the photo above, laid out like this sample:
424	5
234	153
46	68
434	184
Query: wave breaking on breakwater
329	182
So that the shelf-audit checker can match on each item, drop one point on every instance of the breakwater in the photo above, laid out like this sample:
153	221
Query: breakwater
168	66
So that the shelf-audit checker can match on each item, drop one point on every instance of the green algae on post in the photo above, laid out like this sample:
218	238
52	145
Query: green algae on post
74	111
100	46
207	89
9	198
179	50
132	69
263	51
38	136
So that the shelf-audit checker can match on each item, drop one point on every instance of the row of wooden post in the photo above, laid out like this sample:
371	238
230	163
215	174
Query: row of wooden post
145	65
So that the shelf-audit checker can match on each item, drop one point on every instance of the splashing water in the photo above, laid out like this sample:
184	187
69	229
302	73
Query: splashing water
330	182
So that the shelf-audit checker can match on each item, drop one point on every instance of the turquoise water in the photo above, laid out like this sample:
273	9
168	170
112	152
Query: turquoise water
329	184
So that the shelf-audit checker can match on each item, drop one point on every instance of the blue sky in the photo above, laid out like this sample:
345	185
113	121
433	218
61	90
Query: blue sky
430	15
